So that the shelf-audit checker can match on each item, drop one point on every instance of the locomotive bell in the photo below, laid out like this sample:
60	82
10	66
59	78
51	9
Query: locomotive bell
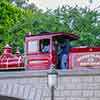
7	50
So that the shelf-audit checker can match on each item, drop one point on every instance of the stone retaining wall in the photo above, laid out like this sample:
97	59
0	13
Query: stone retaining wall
32	85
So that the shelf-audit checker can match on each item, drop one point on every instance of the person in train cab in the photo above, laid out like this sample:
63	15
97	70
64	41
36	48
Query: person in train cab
46	47
64	55
58	49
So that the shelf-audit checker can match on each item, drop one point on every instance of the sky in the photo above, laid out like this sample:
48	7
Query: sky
52	4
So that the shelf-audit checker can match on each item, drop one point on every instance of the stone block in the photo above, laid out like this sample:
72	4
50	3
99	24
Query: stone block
76	98
87	93
27	92
21	91
97	78
76	93
87	79
93	98
97	93
9	89
63	93
38	94
60	98
46	98
15	90
69	86
87	86
4	89
46	92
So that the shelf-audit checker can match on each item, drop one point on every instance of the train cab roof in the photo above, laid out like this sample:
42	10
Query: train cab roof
66	35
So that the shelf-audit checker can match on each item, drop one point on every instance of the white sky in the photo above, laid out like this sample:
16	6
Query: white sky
55	3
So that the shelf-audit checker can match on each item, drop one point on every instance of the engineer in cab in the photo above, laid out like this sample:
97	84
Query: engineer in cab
63	49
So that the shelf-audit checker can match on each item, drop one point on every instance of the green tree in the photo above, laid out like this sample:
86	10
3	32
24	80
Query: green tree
16	22
9	16
82	21
23	4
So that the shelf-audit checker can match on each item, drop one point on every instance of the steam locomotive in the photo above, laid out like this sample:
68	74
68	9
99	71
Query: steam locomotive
36	59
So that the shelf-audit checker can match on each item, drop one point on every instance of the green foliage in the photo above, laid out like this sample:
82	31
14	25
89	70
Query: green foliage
23	4
16	22
9	16
82	21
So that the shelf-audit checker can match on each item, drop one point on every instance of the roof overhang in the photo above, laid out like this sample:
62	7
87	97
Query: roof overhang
66	35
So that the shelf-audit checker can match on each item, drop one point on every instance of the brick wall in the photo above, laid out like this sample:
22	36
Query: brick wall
30	85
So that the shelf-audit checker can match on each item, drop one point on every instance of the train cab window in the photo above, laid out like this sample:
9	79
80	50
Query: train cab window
45	45
32	46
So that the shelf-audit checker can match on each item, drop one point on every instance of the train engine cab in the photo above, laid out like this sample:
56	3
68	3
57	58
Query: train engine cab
42	50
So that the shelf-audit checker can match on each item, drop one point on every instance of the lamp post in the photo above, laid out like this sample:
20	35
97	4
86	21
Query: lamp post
52	80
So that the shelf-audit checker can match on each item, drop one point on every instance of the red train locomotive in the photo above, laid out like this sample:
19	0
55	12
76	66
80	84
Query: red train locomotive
43	50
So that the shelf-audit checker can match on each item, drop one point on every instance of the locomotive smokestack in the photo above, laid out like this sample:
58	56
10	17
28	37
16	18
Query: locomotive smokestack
7	49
